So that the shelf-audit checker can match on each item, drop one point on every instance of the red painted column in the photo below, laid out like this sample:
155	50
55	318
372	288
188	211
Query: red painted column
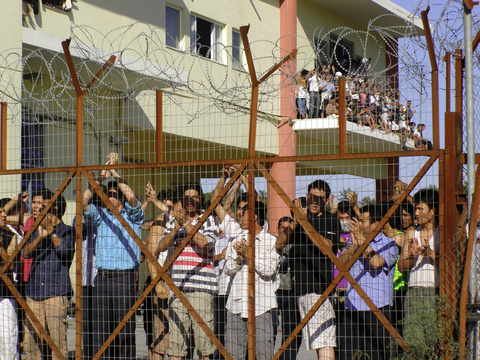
284	173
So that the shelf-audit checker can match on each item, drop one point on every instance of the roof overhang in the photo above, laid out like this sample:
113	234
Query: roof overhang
384	13
130	68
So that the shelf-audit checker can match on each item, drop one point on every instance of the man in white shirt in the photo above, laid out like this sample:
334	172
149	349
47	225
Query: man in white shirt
313	88
267	262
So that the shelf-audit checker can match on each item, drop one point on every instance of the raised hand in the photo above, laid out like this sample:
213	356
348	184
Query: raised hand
332	204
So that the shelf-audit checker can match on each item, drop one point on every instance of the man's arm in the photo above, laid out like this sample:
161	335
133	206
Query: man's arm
62	236
29	248
375	260
166	241
125	189
19	219
206	236
22	197
221	210
284	237
122	184
151	198
148	190
88	194
233	261
4	254
267	263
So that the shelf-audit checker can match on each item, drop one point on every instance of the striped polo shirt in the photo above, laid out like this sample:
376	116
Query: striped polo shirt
193	269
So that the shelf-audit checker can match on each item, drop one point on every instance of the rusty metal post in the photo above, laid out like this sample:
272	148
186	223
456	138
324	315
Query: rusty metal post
79	162
435	92
159	128
448	59
342	116
78	267
79	129
251	262
3	129
451	171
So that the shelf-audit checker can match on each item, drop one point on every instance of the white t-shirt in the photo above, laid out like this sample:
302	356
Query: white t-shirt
424	272
313	83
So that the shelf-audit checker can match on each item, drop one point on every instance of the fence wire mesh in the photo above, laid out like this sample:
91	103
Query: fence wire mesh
151	253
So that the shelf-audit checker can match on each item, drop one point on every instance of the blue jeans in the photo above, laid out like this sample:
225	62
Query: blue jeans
314	104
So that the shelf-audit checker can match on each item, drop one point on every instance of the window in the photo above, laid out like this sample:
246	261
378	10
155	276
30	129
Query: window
33	150
206	39
322	53
237	50
341	52
172	27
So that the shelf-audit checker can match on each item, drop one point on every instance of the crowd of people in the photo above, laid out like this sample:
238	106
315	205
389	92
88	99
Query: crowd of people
367	104
397	271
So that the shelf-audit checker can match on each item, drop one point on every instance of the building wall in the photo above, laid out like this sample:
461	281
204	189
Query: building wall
315	22
10	87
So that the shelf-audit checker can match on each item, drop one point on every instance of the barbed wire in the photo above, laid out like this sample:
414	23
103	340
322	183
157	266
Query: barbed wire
144	62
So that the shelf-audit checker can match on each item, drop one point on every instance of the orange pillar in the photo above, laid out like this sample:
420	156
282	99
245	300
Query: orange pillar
284	172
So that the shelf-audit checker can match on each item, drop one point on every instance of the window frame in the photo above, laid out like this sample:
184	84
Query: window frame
216	41
178	28
240	62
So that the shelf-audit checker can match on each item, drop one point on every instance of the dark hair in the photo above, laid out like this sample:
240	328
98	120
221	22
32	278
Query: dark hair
96	200
191	186
283	219
4	202
261	212
320	185
395	220
373	212
244	197
345	207
429	197
411	123
114	185
59	205
408	207
166	194
419	125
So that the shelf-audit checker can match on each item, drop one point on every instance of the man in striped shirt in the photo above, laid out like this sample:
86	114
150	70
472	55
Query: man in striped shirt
192	271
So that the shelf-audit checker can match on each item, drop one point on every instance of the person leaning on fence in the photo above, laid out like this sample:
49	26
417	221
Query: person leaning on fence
89	272
361	333
8	315
312	269
192	272
266	269
420	257
287	307
51	247
117	260
155	314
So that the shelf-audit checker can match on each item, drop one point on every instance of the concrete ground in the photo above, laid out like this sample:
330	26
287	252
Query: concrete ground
142	353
